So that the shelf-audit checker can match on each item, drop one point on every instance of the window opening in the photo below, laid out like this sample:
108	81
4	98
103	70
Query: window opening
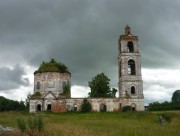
38	85
131	67
132	90
130	47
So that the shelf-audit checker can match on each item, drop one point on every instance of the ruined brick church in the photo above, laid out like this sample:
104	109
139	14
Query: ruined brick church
52	85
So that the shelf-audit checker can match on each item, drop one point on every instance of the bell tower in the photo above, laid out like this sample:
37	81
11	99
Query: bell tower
129	60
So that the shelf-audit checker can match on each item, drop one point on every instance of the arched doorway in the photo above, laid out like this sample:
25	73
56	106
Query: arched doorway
49	107
103	108
39	107
133	107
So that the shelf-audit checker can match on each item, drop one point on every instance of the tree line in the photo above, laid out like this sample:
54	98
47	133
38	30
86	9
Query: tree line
11	105
174	104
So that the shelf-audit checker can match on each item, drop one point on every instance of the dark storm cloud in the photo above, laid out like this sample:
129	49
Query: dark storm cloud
84	33
12	78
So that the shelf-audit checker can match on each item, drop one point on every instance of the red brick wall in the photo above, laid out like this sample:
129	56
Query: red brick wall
58	107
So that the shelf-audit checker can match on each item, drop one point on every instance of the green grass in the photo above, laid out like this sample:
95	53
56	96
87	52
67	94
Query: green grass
101	124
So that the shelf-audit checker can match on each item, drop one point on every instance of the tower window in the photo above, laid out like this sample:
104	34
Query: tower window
38	85
132	90
130	47
131	67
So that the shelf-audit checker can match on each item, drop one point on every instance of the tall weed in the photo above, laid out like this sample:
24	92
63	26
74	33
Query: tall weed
33	126
21	124
167	117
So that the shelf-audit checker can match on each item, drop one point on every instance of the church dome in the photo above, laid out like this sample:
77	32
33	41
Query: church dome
52	66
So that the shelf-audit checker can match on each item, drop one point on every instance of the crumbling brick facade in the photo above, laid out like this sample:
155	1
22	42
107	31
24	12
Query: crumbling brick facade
50	84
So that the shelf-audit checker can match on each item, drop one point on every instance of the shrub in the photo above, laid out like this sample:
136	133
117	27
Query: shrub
167	117
86	106
39	123
52	66
126	108
33	125
67	90
36	94
21	124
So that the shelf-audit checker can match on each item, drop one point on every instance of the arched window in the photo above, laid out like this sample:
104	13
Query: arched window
38	85
131	67
130	47
132	90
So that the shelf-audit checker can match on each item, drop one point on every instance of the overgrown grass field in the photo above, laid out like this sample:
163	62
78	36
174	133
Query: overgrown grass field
100	124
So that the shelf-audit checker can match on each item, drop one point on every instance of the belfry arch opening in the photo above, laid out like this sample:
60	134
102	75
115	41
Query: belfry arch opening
131	67
132	90
130	47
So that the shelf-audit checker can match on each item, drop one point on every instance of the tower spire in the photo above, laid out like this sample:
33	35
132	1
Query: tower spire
127	30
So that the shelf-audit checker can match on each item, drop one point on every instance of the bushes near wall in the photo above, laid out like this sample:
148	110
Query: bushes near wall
126	108
86	106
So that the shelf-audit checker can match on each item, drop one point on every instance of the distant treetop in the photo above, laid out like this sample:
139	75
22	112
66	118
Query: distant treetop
52	66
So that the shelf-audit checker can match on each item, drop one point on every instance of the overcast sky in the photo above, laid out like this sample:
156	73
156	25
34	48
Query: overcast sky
83	34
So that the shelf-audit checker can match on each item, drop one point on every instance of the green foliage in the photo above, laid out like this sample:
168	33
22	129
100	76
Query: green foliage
167	117
86	106
9	105
40	123
100	86
176	98
32	126
66	90
52	66
156	106
99	124
21	124
31	122
126	108
36	94
113	92
27	101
